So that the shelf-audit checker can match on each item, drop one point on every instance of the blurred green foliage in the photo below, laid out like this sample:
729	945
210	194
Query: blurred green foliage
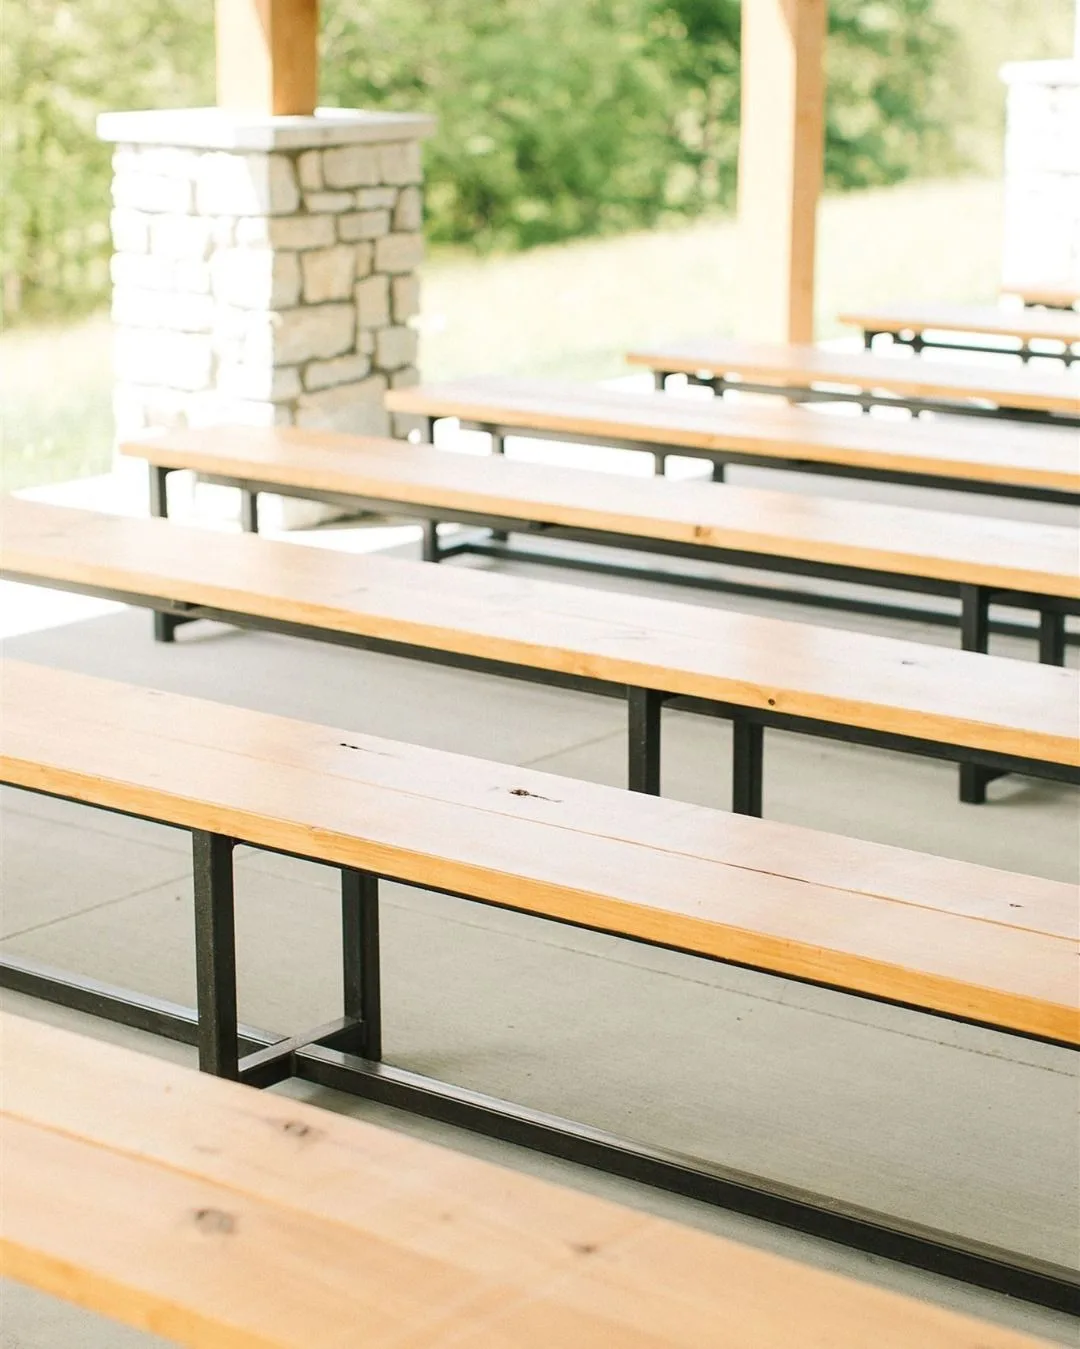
557	118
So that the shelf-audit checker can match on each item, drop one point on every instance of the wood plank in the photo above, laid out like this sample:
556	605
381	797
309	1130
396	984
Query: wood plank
1026	325
989	452
805	366
223	1216
781	165
1034	291
267	56
856	679
1005	554
997	948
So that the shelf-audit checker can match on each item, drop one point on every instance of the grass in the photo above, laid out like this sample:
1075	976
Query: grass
569	310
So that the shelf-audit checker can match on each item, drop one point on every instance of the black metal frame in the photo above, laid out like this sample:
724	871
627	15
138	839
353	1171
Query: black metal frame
346	1055
916	339
866	398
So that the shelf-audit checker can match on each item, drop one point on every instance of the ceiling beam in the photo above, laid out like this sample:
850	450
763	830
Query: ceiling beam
267	56
781	164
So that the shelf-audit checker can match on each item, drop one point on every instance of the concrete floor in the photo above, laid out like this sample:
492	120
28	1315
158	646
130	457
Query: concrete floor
944	1124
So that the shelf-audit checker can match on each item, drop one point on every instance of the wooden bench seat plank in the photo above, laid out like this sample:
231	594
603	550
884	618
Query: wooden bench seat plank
802	366
1036	291
30	695
878	683
991	452
1026	325
216	1215
1016	555
308	803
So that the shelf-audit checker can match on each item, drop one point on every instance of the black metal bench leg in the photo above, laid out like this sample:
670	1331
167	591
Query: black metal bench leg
718	470
360	957
215	954
659	464
498	446
430	549
747	763
249	512
643	708
975	636
1051	638
165	625
659	379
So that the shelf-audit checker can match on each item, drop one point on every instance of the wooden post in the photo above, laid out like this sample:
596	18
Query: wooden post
781	160
267	60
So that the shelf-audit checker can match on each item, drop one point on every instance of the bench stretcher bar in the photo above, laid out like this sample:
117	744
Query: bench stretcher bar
346	1055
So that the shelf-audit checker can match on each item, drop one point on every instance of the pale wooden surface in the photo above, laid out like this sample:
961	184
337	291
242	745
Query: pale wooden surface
1058	293
986	451
781	165
942	935
1007	554
1025	325
803	366
219	1216
267	56
857	679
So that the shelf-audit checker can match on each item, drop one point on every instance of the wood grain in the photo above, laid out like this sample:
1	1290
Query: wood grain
807	366
857	679
1004	554
1026	325
993	452
943	936
222	1217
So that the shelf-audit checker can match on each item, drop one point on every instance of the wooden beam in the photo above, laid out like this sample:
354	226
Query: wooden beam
781	154
267	58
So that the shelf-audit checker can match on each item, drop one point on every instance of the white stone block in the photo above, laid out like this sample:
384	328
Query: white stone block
328	273
256	278
188	237
142	271
399	252
155	357
129	410
295	232
151	192
409	212
405	297
365	341
130	230
309	170
217	409
356	408
351	166
395	347
236	184
261	383
192	276
372	296
335	202
178	310
399	162
317	333
364	225
376	198
341	370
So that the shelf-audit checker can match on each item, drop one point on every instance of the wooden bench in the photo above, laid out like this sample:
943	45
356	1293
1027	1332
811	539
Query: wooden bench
1005	459
908	324
992	714
972	557
1042	293
949	938
204	1215
861	377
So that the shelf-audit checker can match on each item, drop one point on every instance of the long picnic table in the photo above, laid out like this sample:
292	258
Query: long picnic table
809	372
1000	458
908	324
973	558
988	713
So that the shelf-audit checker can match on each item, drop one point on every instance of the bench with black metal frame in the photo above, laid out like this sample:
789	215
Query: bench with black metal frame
568	851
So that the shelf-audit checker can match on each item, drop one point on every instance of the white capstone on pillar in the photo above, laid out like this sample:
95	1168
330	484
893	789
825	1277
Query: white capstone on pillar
1042	175
265	268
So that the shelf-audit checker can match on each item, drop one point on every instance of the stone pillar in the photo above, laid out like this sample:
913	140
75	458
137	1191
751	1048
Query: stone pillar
1042	174
265	268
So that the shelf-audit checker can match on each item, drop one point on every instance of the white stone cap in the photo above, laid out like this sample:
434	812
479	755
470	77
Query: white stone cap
219	129
1041	72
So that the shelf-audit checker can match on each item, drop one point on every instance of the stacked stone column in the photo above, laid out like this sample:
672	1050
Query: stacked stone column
1042	173
265	270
